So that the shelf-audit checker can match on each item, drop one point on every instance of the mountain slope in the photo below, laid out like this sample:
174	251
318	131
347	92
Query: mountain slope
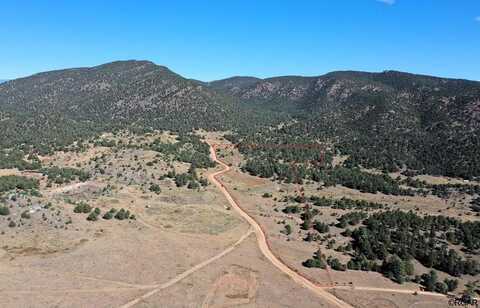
67	104
234	84
342	87
388	120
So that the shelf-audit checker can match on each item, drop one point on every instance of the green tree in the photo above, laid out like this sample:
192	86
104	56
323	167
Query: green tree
451	284
4	210
394	268
429	280
155	188
287	230
92	216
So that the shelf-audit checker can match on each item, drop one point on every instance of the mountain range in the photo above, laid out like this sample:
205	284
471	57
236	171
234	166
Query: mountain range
389	120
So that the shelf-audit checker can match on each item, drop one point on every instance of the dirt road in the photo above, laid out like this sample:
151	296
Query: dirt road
262	240
125	287
389	290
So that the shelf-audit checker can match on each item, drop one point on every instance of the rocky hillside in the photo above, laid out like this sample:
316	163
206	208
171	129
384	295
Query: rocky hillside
388	120
340	88
234	85
67	104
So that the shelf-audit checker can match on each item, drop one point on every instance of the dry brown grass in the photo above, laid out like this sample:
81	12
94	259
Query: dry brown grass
109	263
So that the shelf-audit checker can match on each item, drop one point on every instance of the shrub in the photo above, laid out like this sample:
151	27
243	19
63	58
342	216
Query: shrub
291	209
315	262
451	284
92	216
288	230
193	185
4	211
203	182
108	215
155	188
441	287
336	265
25	215
321	227
120	215
82	207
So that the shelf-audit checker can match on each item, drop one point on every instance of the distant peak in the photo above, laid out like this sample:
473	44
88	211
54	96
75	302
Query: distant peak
126	63
240	78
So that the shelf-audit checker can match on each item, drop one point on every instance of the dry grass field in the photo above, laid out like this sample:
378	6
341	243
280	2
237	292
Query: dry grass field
184	247
56	258
355	287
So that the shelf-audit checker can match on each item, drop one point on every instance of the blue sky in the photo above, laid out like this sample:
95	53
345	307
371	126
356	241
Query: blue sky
215	39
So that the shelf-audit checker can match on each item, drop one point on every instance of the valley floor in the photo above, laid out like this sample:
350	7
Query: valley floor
183	248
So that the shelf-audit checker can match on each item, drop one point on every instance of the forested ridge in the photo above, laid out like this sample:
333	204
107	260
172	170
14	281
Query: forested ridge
390	120
49	110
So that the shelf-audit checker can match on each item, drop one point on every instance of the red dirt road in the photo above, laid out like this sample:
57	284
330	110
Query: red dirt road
263	244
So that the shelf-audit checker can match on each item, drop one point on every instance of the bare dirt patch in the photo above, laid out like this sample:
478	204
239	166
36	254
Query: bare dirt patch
237	286
190	218
5	172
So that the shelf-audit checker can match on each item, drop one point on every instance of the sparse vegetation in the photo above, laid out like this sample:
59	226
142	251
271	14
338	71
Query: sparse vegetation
64	175
10	182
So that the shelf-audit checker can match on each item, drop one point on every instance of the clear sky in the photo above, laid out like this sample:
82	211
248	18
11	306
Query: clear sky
215	39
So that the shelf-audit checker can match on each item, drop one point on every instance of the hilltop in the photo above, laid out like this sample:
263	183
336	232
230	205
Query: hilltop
62	106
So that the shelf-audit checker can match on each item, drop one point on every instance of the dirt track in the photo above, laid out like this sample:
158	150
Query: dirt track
186	273
401	291
263	244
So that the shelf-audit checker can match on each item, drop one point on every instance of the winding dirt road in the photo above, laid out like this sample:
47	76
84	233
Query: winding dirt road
262	240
